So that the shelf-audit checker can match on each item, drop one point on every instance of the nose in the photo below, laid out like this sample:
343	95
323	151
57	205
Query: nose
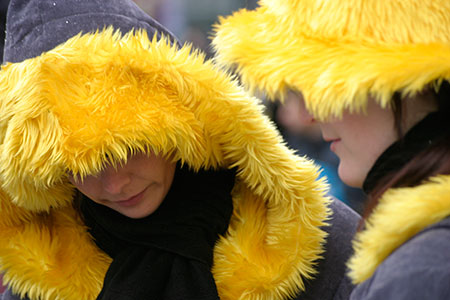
114	180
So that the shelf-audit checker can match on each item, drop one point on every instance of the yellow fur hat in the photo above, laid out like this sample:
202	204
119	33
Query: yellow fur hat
99	96
338	52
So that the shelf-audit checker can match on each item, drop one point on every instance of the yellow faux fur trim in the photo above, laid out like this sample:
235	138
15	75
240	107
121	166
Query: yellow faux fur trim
401	214
103	95
337	52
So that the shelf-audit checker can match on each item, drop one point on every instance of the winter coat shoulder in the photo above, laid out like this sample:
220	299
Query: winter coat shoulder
419	269
331	281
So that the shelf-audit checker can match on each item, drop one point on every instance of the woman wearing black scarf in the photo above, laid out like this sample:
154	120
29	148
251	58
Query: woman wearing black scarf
171	248
131	168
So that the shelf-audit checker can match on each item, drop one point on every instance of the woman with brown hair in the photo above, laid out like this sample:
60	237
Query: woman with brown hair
374	75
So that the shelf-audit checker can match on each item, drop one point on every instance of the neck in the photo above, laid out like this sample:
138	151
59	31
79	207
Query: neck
387	168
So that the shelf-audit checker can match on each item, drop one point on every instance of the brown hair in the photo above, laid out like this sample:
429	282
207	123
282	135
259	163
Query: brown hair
433	160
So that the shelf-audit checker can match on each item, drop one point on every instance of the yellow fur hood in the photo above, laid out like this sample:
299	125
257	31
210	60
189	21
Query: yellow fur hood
102	95
401	214
338	52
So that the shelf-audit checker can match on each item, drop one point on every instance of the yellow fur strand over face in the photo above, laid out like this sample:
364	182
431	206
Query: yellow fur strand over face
401	213
338	52
100	97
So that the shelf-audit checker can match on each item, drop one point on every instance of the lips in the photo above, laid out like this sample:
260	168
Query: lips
333	144
332	140
132	200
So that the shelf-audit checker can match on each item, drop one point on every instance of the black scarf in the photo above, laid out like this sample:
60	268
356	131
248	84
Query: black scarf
421	136
167	255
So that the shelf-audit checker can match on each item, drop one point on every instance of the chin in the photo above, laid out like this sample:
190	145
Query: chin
141	211
350	178
136	214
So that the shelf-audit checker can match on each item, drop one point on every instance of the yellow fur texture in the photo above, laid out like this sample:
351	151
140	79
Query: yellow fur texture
402	213
337	53
101	96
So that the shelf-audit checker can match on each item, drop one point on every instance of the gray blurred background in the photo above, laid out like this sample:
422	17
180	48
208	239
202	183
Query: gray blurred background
191	20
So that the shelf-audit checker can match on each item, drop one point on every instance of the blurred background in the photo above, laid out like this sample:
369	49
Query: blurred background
191	20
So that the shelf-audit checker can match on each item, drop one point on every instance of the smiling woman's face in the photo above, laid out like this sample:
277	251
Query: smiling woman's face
359	139
135	189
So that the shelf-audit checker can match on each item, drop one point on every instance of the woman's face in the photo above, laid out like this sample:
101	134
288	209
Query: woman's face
358	140
135	189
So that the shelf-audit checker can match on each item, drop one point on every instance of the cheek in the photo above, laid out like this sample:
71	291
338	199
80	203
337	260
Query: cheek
361	152
89	186
378	142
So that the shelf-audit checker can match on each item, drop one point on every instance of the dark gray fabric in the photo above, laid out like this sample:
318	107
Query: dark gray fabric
7	295
331	281
3	10
419	269
36	26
